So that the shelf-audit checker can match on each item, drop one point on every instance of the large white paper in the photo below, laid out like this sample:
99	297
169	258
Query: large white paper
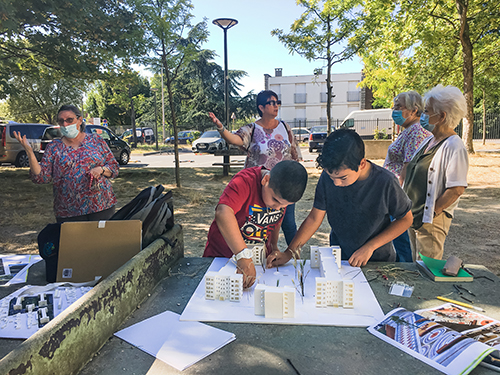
179	344
366	309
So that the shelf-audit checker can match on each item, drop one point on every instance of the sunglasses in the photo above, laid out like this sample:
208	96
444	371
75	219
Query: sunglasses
273	102
67	120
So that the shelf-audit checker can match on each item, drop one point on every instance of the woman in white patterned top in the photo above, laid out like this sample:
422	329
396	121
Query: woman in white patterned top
266	141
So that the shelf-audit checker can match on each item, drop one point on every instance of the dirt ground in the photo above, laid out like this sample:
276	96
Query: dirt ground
474	235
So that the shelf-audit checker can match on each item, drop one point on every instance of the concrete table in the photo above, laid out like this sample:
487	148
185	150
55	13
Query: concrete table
290	349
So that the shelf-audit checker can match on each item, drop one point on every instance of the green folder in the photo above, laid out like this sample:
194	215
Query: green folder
432	267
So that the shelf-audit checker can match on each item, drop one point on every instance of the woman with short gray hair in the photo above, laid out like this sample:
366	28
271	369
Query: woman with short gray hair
437	175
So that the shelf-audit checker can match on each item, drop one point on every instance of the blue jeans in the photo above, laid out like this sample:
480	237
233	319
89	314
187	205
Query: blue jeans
288	225
403	248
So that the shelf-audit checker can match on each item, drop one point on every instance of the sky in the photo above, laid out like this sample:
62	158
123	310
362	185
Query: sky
250	45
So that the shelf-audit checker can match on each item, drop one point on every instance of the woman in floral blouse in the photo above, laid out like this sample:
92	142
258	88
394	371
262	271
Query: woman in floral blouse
79	165
267	141
407	108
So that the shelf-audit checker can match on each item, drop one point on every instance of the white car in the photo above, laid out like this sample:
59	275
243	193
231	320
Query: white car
210	141
301	134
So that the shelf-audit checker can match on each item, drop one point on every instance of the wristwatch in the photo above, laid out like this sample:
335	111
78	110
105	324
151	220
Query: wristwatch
245	254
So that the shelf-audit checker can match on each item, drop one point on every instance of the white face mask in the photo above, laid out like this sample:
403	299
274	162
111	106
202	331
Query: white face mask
70	131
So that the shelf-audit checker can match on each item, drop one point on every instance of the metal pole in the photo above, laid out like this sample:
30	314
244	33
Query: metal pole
226	84
162	106
156	122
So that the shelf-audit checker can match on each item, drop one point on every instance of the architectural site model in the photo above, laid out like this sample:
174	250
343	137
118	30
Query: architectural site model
279	302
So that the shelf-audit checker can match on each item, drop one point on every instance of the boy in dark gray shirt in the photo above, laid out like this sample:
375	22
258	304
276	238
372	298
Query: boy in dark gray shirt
359	198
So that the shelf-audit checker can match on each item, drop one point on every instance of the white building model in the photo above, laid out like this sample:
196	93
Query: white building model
331	290
219	286
274	302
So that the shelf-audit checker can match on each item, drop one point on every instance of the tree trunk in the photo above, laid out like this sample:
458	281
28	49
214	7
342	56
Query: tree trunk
484	117
468	123
174	122
328	83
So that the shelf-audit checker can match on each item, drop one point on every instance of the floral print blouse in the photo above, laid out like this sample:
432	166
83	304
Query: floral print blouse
75	192
267	147
404	147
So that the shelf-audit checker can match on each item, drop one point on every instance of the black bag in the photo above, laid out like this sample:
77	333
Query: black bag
48	248
154	208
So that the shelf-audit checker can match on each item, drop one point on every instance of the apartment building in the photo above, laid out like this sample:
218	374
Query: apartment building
304	98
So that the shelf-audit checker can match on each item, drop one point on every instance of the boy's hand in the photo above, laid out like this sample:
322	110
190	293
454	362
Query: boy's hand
277	258
360	257
247	268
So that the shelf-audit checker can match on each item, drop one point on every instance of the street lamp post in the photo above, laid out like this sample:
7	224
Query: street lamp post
156	118
225	24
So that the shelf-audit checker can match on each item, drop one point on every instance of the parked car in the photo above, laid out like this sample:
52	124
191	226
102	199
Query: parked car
210	141
317	137
367	121
144	135
187	136
11	150
119	148
301	134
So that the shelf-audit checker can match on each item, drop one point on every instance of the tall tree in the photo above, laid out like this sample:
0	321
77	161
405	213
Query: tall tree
78	39
421	43
174	41
327	31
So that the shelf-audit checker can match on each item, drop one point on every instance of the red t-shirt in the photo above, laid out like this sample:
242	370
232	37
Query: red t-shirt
244	195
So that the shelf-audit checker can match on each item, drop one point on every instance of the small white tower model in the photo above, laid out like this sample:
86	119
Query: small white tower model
259	254
274	302
222	287
331	290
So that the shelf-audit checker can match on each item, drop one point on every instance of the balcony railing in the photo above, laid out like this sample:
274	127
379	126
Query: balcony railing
353	96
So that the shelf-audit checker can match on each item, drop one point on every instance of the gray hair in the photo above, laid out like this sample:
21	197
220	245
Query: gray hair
411	100
449	100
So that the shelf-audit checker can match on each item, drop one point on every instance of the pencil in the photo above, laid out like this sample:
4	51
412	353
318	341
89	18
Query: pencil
460	303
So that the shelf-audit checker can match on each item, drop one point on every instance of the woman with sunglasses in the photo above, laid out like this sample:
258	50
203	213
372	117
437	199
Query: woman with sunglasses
266	141
80	166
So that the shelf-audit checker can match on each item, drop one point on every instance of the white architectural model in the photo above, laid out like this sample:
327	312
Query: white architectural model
223	287
331	290
259	254
274	302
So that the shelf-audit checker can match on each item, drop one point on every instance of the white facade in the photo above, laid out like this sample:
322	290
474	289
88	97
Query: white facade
223	287
305	97
274	302
331	289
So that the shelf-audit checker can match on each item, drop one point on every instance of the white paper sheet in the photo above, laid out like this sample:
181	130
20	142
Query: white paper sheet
179	344
366	309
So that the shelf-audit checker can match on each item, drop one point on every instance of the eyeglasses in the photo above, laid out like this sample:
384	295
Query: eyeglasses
274	102
69	120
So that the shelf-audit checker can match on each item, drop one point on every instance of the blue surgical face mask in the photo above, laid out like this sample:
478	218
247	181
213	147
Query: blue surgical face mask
424	121
398	118
69	131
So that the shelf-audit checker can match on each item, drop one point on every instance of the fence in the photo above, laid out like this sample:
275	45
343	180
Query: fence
368	126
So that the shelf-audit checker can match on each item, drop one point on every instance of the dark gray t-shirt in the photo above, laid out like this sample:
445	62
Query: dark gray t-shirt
359	212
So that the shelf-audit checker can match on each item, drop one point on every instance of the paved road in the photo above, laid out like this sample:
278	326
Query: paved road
190	160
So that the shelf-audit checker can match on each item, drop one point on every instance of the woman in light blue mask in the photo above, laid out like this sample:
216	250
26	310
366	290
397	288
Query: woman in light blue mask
406	112
437	175
80	166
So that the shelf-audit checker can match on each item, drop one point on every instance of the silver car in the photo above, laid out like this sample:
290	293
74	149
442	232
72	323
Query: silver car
210	141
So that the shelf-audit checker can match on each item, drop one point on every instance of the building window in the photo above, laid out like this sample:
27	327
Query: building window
300	97
353	96
323	97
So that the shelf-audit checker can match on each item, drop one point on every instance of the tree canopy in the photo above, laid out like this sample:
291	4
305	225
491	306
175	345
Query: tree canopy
72	39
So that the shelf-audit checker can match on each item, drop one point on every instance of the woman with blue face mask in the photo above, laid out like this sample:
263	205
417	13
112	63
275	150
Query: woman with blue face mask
406	112
437	175
79	165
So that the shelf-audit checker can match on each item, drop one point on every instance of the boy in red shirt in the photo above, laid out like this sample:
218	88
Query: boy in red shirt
250	211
